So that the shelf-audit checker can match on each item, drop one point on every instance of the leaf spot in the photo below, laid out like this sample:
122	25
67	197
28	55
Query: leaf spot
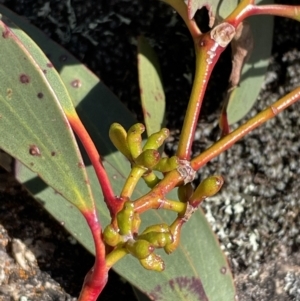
40	95
24	79
76	83
8	93
34	150
53	153
223	270
49	65
80	165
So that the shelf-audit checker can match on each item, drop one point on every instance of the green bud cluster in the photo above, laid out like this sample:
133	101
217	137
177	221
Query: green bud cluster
122	234
148	156
140	246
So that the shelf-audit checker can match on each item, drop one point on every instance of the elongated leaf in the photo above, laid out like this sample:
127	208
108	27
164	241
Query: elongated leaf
31	118
151	88
244	96
198	265
140	296
216	8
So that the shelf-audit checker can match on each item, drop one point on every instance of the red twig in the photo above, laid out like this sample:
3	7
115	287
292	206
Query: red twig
227	141
96	278
111	200
244	11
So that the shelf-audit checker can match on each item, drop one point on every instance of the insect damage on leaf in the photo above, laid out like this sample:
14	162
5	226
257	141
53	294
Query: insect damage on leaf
194	5
189	287
241	45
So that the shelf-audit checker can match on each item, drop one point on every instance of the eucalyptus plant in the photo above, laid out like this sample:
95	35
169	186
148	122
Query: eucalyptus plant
42	110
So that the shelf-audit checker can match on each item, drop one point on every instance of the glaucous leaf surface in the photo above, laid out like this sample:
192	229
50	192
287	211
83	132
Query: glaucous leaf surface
198	270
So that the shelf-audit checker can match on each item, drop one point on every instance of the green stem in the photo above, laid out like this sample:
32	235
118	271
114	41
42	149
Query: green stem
175	230
158	203
115	255
151	179
135	174
204	66
175	206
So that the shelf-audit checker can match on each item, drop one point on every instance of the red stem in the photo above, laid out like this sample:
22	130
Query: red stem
109	196
288	11
96	278
227	141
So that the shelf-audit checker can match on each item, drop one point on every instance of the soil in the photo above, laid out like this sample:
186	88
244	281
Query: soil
256	215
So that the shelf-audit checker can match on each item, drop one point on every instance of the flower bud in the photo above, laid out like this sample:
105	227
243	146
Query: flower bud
153	262
134	139
118	137
125	218
157	239
111	236
139	248
167	164
148	158
185	192
156	139
208	187
163	228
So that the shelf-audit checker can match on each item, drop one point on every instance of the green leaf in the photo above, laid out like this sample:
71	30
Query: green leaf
151	88
139	295
217	8
244	96
198	264
32	117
